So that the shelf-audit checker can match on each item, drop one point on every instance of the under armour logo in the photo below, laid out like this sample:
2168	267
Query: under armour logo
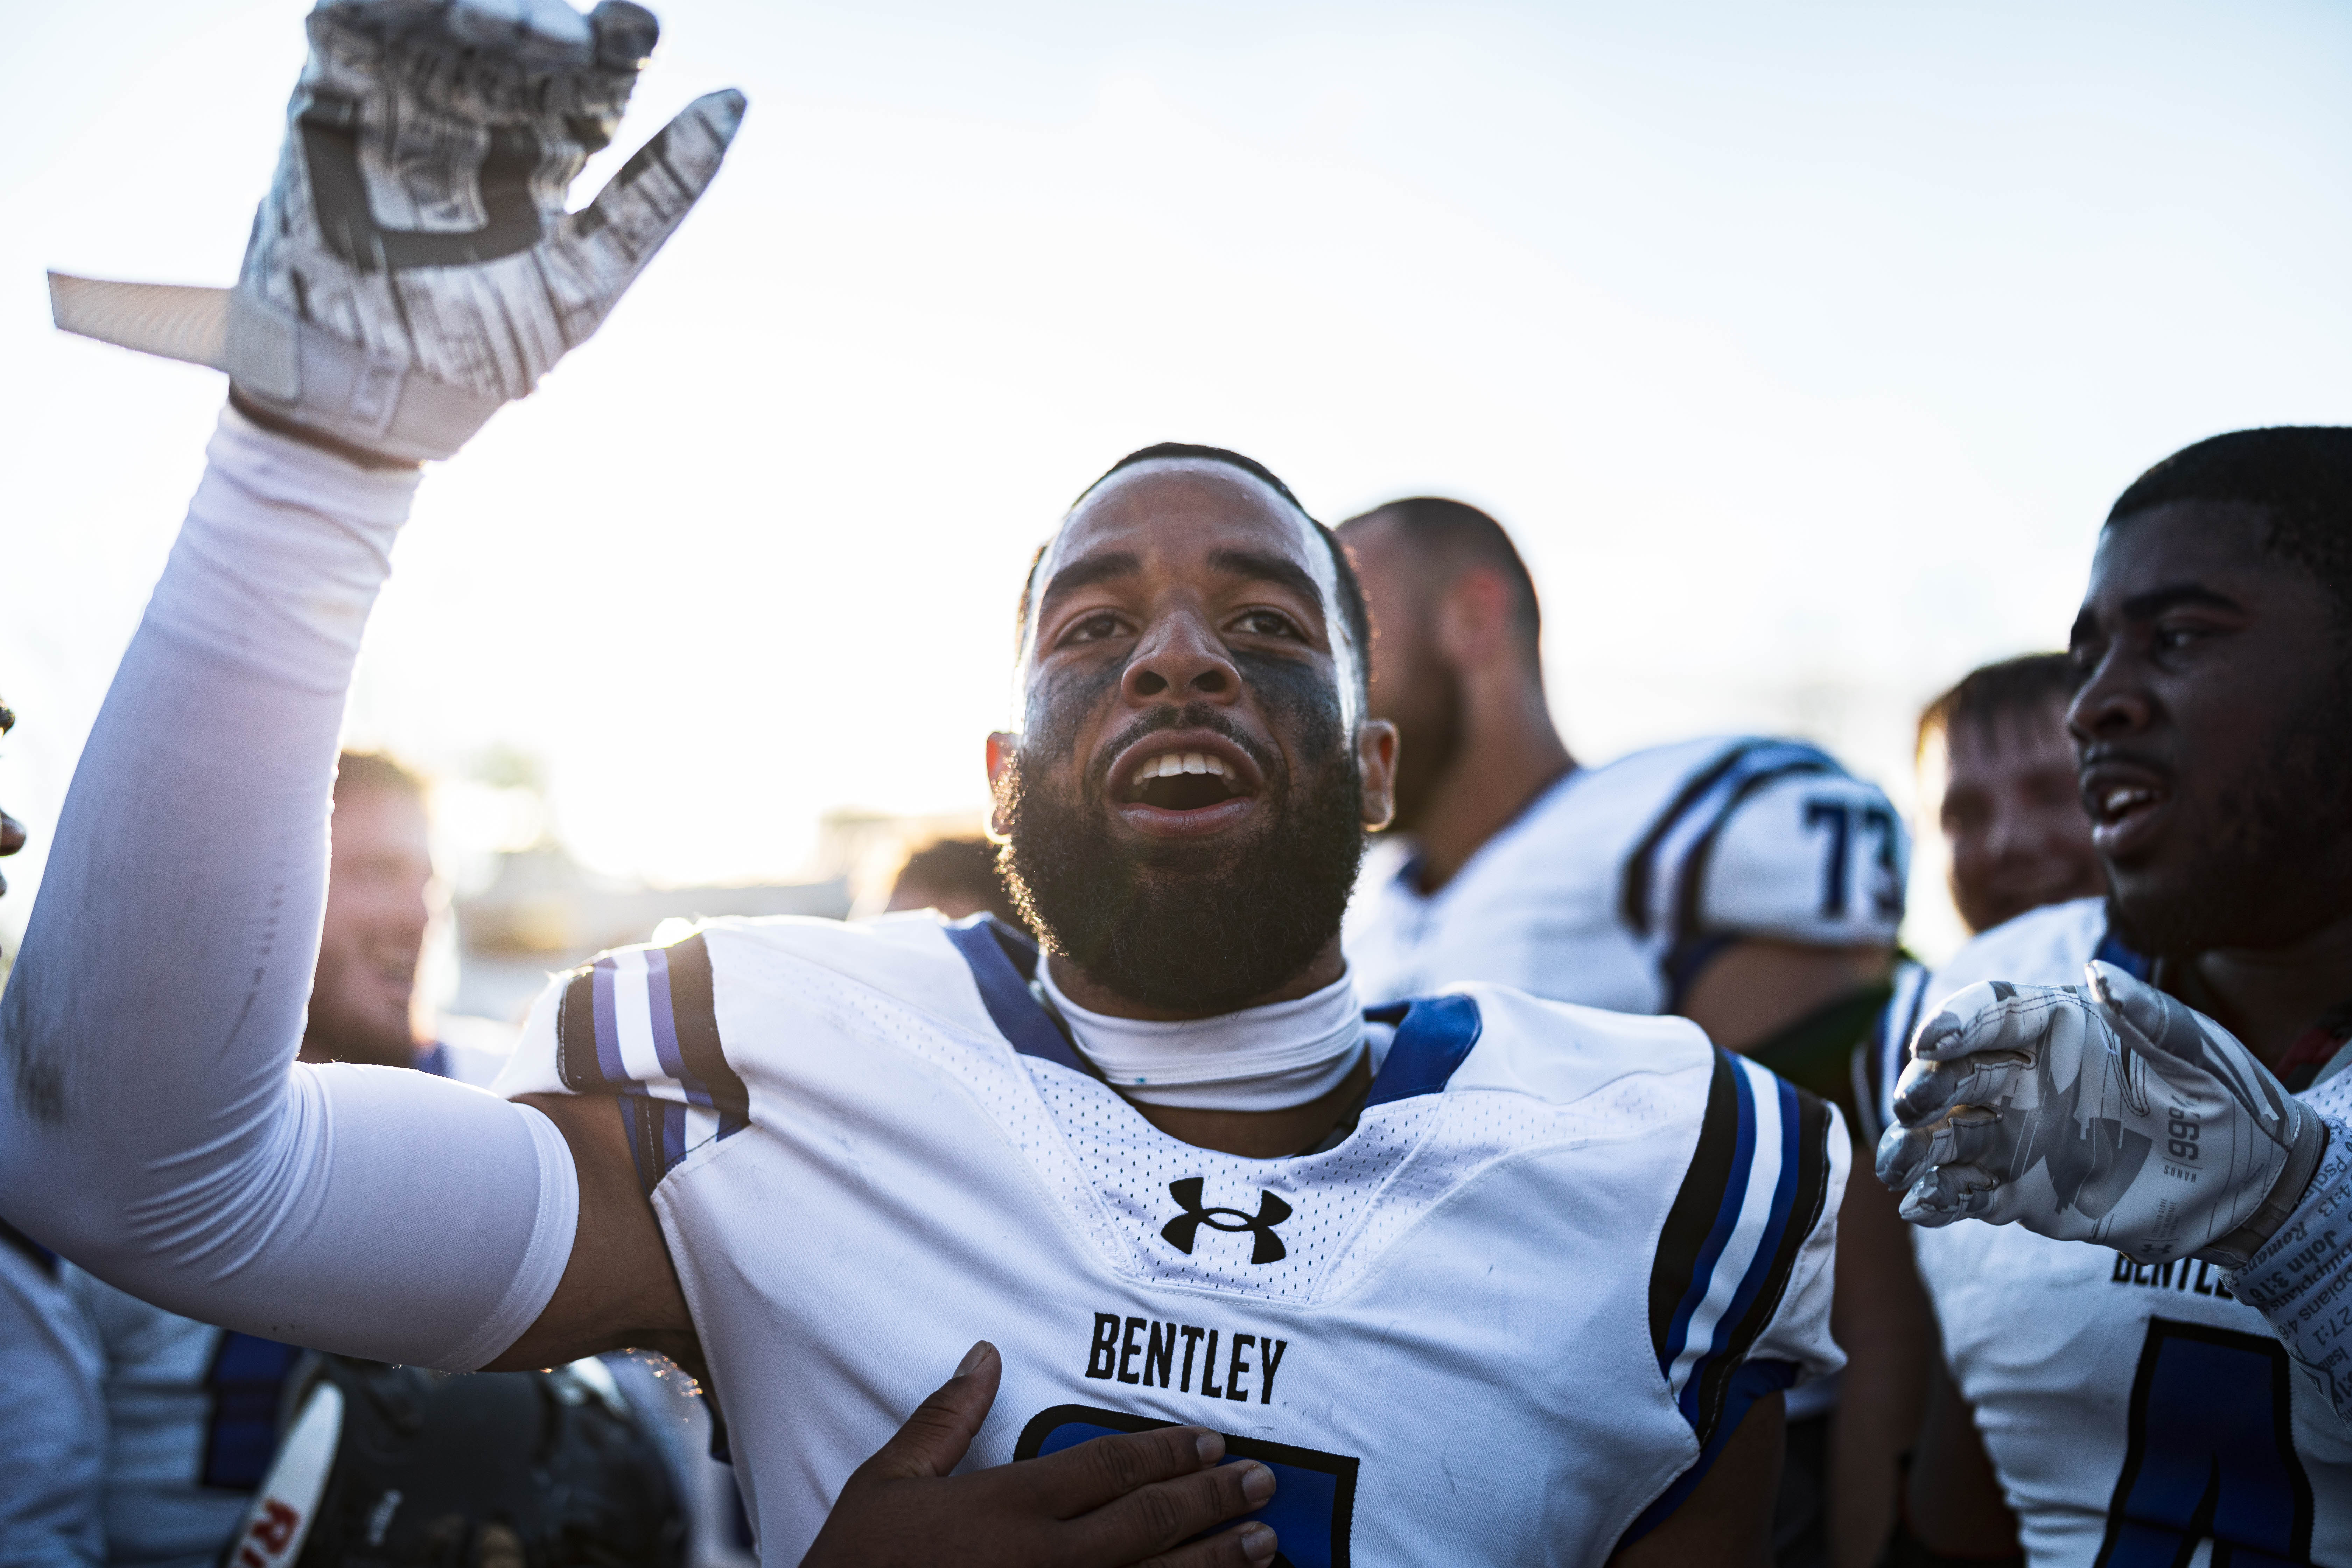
1185	1228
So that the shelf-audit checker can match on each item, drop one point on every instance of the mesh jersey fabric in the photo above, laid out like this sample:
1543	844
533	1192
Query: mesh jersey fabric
2133	1411
1613	887
1575	1243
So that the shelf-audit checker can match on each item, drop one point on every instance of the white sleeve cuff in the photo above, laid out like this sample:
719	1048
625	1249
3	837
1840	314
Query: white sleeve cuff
551	1237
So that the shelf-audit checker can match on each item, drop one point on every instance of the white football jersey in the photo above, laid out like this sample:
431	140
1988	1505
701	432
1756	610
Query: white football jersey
1616	885
1504	1320
2134	1411
52	1428
191	1423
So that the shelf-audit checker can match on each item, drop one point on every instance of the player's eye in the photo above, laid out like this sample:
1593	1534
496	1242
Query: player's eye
1093	628
1267	624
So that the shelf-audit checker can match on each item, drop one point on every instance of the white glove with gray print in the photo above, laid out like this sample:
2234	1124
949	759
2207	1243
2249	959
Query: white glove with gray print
414	266
2107	1112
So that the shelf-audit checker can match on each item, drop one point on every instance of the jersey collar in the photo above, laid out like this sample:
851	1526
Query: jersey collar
1434	1034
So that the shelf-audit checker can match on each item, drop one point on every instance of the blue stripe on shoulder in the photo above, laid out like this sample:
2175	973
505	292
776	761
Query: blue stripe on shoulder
2111	950
1434	1035
1004	992
1718	1236
1767	1249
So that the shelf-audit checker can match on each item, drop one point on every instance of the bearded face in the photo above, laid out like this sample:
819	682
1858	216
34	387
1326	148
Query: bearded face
1188	925
1184	810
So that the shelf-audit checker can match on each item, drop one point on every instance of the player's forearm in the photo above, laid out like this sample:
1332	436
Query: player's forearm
161	989
156	1128
2301	1280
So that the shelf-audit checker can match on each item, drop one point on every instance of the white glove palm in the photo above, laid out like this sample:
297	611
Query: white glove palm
414	266
2109	1112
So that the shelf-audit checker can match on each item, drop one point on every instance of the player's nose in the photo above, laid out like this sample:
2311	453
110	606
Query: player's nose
2113	702
12	834
1178	658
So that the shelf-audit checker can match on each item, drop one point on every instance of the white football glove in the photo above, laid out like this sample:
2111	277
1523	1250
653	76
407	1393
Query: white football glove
2106	1112
413	265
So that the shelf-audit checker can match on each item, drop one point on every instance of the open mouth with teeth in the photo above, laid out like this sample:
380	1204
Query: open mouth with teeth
2114	805
1182	781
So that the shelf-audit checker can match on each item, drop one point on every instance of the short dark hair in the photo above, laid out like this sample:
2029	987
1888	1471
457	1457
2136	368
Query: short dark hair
2300	475
1455	534
377	770
2031	682
1352	608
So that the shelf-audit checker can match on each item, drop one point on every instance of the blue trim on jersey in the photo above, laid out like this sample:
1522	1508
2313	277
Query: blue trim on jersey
1691	822
1754	1380
1768	1247
609	1065
243	1385
1718	1236
1004	991
1880	1060
664	1017
1434	1035
682	1020
2111	950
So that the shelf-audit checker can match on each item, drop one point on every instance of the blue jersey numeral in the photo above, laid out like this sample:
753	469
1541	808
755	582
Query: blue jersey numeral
1314	1504
2211	1454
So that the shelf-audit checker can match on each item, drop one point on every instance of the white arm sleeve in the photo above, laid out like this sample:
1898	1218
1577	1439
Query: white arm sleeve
154	1125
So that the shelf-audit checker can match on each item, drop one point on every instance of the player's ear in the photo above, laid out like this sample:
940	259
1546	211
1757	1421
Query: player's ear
1000	762
1375	754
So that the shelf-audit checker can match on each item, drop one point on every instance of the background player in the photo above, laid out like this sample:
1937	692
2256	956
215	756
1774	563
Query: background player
1750	885
957	876
1996	763
186	1415
2135	1410
2007	803
52	1423
829	1122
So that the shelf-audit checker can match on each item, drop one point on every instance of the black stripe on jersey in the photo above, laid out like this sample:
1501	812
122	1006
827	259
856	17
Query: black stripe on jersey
576	1033
1690	885
1692	1218
1633	895
694	1014
1805	1205
640	1121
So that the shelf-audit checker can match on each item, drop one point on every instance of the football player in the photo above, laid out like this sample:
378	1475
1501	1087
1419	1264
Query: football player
1750	885
52	1423
1172	1167
2182	1103
1995	762
186	1413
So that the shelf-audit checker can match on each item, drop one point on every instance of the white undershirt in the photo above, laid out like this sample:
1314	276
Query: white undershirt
1260	1059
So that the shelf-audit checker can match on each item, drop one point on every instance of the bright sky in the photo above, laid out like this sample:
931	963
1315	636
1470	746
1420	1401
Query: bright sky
1801	347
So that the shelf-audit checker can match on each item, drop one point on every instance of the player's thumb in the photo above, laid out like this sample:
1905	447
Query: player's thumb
937	1435
640	207
2146	1019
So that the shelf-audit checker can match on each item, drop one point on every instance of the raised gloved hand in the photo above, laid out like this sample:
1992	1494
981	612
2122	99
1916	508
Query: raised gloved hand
2106	1112
413	265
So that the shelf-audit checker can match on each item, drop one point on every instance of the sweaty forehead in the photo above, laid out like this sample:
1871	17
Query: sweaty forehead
1174	513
